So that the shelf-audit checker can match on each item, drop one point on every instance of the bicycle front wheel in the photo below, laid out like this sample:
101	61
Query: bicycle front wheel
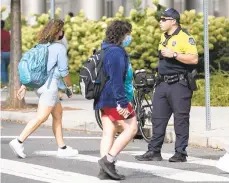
98	118
145	115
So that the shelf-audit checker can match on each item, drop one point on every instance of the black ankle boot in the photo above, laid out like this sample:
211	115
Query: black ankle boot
103	175
109	168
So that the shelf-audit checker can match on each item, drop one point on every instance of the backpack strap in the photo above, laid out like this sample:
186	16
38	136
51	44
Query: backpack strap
100	66
104	79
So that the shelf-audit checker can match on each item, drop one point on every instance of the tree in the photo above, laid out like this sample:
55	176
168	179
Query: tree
15	56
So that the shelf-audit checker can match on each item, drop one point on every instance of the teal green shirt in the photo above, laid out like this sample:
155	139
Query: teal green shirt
129	89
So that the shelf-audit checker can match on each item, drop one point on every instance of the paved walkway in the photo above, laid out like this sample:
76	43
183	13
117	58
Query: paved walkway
79	115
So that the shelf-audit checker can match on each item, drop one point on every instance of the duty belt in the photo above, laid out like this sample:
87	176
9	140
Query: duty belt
172	78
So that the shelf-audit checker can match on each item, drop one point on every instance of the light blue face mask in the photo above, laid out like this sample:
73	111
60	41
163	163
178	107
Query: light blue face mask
126	42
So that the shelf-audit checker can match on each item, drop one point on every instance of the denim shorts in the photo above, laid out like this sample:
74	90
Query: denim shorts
48	97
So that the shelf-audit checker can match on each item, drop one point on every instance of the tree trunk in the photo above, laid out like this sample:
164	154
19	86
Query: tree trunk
15	56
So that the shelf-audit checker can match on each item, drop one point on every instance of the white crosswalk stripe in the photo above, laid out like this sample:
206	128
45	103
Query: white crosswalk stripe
52	137
165	172
190	159
42	173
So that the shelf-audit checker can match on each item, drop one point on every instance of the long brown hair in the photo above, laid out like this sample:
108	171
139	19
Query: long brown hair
50	31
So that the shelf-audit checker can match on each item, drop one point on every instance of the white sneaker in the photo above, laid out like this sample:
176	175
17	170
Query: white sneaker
223	163
68	152
17	148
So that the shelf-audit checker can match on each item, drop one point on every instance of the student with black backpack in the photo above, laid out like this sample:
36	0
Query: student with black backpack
114	100
55	66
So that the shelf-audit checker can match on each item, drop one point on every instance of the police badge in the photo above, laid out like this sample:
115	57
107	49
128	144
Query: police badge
174	43
191	41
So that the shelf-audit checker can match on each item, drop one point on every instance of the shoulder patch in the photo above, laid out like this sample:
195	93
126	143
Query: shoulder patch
186	32
191	41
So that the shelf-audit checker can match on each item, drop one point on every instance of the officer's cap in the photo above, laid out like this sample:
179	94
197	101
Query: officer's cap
171	12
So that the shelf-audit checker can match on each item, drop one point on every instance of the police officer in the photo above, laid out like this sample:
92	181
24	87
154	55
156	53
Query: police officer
177	56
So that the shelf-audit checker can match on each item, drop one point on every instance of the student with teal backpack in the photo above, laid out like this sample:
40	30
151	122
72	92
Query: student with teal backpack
41	68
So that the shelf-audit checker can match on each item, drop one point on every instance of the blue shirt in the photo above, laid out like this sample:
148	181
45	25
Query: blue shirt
57	58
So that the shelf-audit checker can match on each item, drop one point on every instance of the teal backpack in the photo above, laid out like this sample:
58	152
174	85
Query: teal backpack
128	84
33	66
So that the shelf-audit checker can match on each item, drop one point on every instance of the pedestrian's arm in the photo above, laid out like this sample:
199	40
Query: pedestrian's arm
116	70
23	87
67	80
63	66
21	92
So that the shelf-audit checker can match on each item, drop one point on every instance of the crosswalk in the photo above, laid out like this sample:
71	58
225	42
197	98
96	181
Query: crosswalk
45	166
54	175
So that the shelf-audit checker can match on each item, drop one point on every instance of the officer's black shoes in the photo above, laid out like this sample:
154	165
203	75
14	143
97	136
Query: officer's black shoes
109	168
178	157
149	156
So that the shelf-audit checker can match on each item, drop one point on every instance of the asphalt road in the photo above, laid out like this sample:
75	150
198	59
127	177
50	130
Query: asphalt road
41	164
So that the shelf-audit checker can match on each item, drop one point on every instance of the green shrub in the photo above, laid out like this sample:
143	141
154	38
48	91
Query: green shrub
219	91
84	35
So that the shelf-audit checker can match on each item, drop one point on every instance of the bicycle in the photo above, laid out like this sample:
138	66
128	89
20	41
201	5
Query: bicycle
142	104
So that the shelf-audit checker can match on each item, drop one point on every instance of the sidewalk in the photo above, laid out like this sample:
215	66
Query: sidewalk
79	115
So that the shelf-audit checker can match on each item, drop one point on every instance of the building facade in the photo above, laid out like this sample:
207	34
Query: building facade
95	9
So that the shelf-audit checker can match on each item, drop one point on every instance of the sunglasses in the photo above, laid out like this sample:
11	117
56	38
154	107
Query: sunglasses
165	19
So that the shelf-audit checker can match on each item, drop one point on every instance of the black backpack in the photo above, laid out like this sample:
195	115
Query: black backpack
92	78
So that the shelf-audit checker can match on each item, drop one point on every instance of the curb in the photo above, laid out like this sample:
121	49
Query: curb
82	125
200	140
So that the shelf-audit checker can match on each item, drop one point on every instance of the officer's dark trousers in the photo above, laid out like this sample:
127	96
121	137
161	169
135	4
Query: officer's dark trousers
171	98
